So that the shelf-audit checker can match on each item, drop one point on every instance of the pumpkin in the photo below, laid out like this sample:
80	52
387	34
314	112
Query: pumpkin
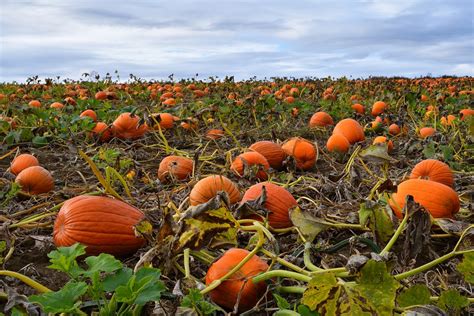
102	132
34	103
100	223
448	121
127	126
466	113
424	98
289	99
378	108
394	129
249	159
175	167
278	203
101	95
215	134
358	108
439	199
89	113
208	187
238	284
320	119
302	150
190	123
22	162
383	140
57	105
350	129
165	120
338	142
427	132
35	180
434	170
271	151
169	102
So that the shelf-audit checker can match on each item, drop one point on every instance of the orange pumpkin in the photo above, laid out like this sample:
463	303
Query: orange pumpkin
240	284
208	187
350	129
127	126
289	99
89	113
100	223
427	132
22	162
434	170
102	131
378	108
165	120
249	159
358	108
34	103
278	203
383	140
271	151
57	105
466	113
35	180
320	119
439	199
101	95
175	167
394	129
215	134
337	142
302	150
448	121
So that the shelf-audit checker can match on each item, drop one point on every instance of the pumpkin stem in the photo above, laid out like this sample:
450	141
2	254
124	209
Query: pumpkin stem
37	286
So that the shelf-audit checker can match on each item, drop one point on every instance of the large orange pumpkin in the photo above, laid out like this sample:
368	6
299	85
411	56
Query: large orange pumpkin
434	170
350	129
100	223
249	159
127	126
35	180
271	151
337	142
302	150
439	199
22	162
208	187
278	203
240	283
320	119
175	167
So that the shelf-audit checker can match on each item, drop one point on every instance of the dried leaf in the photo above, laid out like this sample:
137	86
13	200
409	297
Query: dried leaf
451	226
417	235
375	217
424	310
377	154
309	225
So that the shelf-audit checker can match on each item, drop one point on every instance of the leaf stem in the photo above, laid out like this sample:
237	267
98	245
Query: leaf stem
306	257
281	273
284	262
37	286
395	236
291	289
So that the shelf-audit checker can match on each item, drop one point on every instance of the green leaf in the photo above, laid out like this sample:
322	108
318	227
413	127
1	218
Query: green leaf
121	277
16	312
102	263
466	267
375	217
418	294
429	151
281	302
286	312
195	300
143	287
66	300
304	310
378	286
309	225
3	247
64	259
452	302
39	141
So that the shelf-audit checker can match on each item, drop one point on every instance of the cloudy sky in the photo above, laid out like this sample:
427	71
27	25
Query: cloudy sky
245	38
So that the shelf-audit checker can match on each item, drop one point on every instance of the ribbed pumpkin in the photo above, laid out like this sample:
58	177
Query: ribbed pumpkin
127	126
175	167
271	151
22	162
378	107
338	142
279	201
350	129
434	170
35	180
320	119
100	223
208	187
439	199
250	159
302	150
240	283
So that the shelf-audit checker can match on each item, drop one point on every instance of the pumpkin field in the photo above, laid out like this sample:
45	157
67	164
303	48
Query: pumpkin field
257	197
